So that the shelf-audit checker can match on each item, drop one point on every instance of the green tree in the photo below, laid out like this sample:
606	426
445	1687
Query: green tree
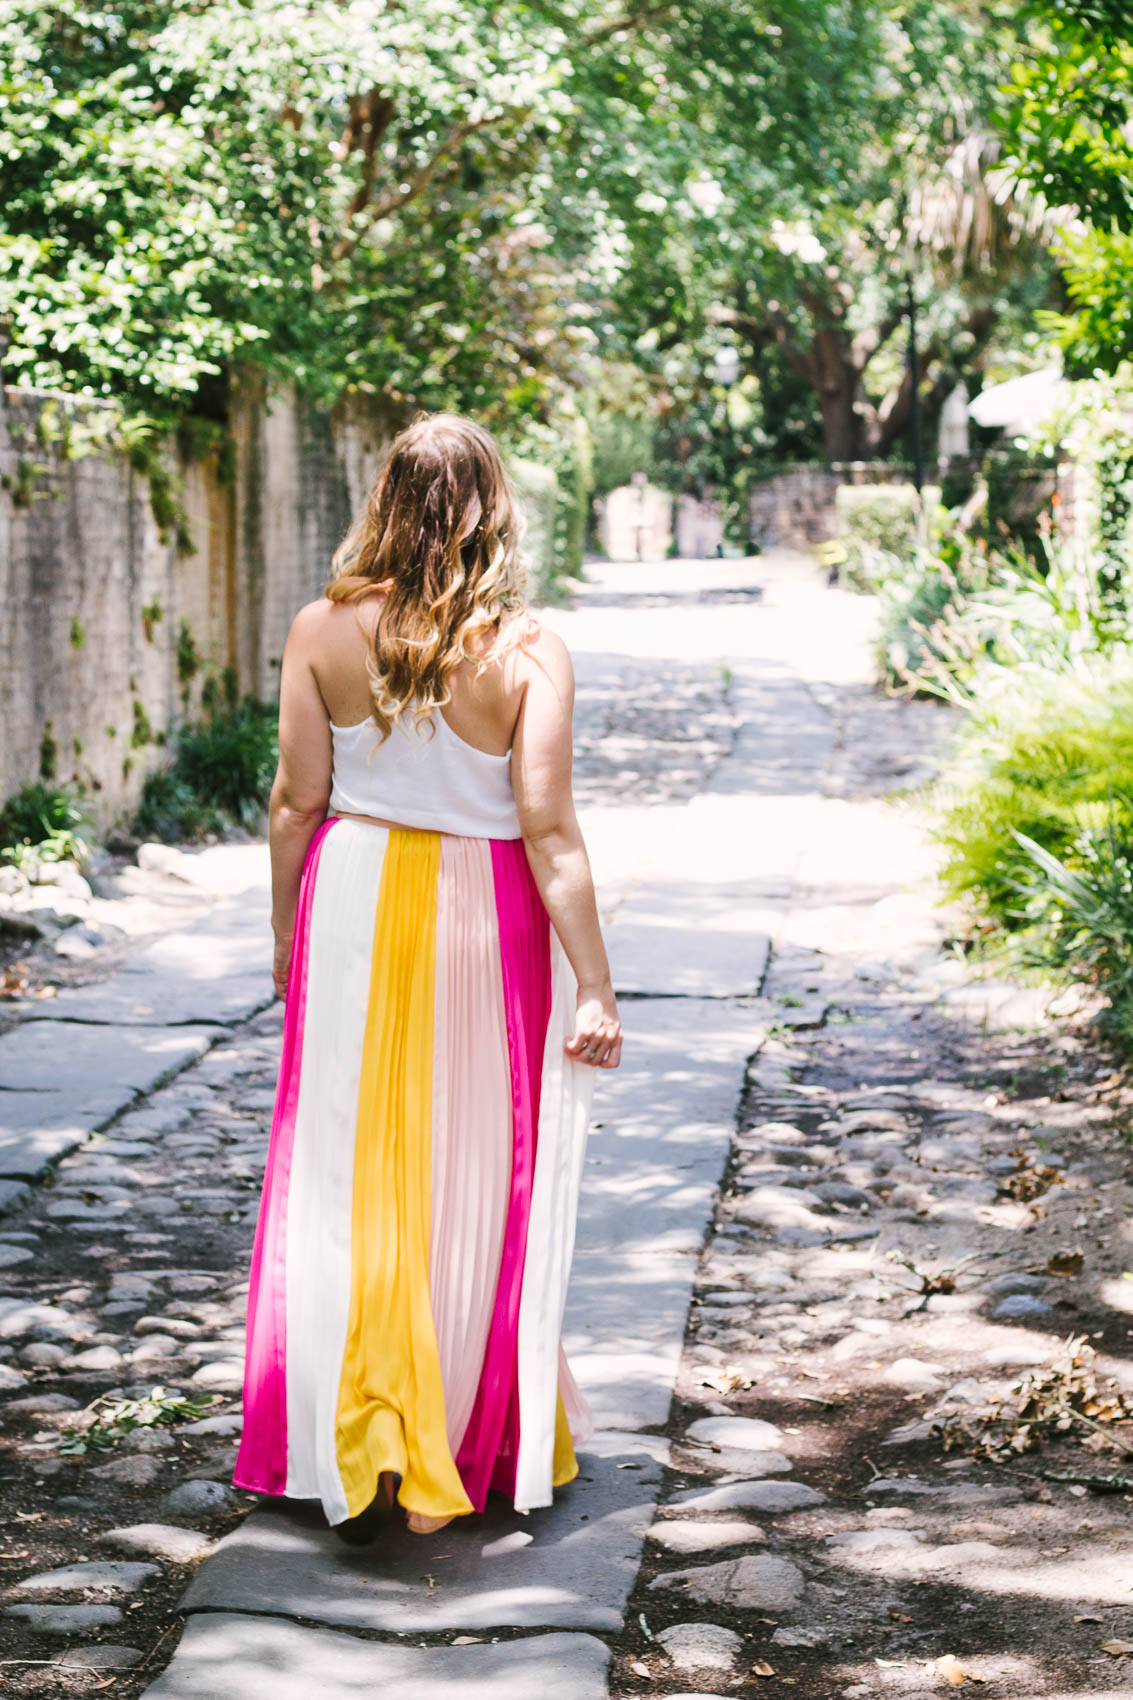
346	195
870	158
1066	125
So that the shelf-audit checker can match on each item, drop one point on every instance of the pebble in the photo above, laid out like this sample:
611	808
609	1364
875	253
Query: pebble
840	1192
775	1280
774	1497
43	1354
692	1536
1021	1304
64	1619
117	1576
226	1374
154	1346
160	1540
759	1582
200	1496
137	1471
95	1358
744	1434
11	1380
959	1556
36	1404
967	1392
80	943
102	1655
77	1209
13	1194
913	1374
732	1462
148	1439
803	1236
899	1484
777	1207
701	1646
179	1326
789	1635
11	1255
231	1424
20	1316
191	1283
1022	1354
874	1540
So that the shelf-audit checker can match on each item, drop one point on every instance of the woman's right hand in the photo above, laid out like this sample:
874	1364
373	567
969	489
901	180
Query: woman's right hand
597	1029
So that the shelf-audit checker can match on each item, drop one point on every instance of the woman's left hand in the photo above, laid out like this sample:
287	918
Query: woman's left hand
281	963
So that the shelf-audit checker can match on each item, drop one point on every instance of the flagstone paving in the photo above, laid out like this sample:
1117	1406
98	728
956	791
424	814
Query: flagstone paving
794	1033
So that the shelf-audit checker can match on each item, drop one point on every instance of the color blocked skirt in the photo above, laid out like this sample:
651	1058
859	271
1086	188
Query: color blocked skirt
417	1219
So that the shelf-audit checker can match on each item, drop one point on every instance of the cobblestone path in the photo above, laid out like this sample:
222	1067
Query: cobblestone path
921	1204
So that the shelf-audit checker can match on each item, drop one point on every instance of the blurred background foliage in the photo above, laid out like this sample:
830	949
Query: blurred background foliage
524	211
677	240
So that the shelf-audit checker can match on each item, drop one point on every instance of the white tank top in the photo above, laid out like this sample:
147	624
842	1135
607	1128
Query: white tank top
420	778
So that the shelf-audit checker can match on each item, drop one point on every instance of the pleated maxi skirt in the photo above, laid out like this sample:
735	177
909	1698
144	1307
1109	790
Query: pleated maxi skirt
417	1219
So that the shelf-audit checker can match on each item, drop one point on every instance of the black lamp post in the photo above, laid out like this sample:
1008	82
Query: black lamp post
912	363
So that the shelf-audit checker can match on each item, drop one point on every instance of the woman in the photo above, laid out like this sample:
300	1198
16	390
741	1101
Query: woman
447	996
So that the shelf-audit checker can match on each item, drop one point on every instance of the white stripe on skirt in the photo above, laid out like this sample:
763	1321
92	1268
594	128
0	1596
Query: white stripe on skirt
564	1115
320	1199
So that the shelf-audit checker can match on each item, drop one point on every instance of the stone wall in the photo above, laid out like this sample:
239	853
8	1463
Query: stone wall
96	606
795	509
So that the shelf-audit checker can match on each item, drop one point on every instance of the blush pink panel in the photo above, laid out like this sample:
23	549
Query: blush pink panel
472	1115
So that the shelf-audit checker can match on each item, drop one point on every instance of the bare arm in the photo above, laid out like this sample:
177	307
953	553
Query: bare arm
301	790
541	776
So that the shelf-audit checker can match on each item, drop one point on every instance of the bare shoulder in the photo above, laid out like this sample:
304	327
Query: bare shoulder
324	624
541	653
312	622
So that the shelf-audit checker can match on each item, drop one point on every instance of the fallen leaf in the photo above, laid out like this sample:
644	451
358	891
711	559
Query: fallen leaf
949	1667
639	1669
900	1617
1065	1262
762	1669
1117	1648
1089	1617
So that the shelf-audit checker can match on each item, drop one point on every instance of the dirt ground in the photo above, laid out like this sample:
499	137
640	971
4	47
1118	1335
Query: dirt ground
988	1161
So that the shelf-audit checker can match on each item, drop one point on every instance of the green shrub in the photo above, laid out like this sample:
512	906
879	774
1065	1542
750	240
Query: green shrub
169	809
538	491
927	640
222	772
880	527
963	613
45	823
1020	485
1043	754
1081	917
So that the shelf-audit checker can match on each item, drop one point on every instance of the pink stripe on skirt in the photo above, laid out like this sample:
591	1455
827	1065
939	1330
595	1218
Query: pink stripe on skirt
488	1451
261	1463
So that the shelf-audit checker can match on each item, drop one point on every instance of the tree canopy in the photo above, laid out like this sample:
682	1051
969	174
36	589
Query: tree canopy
1067	127
456	203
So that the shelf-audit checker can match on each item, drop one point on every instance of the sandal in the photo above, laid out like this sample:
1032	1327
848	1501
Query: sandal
419	1524
360	1530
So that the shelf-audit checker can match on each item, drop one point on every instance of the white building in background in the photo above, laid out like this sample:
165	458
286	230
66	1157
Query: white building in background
954	423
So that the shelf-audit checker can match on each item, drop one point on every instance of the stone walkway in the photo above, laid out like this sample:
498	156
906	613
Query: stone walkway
732	762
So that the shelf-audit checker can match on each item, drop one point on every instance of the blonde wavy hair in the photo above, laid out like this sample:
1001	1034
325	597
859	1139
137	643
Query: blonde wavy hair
440	535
